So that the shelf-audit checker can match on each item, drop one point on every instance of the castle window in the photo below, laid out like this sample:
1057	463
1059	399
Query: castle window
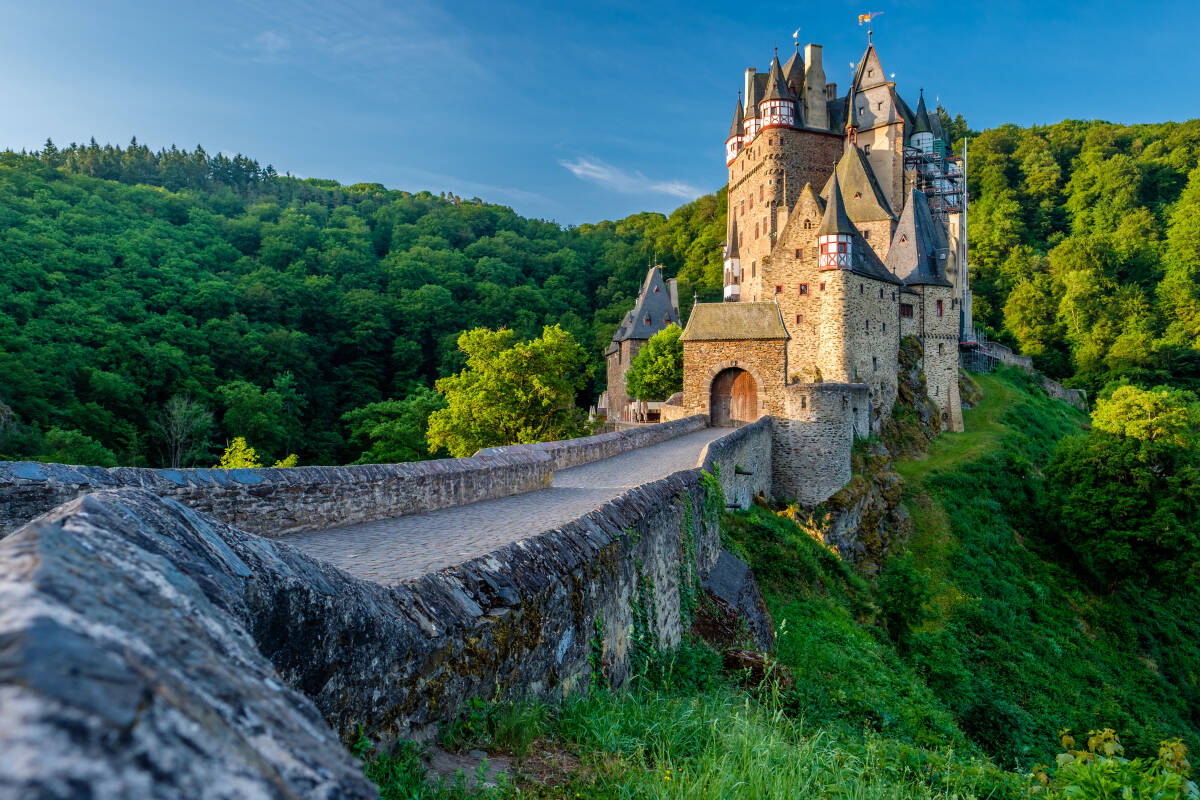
799	253
822	286
939	307
941	349
866	234
808	224
751	202
880	292
799	318
860	288
893	297
778	289
803	288
874	363
884	327
756	230
804	402
935	391
760	193
906	310
953	302
753	269
867	325
879	106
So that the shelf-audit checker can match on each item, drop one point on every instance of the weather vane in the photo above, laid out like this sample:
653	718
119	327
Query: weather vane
865	19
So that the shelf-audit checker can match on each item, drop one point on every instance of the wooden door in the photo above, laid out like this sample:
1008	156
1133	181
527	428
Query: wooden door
734	399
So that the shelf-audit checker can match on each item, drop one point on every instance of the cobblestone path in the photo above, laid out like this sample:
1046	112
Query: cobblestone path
392	550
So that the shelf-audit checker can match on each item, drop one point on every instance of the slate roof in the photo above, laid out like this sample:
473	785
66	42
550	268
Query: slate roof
736	128
834	220
653	303
857	178
777	88
793	72
734	321
913	256
921	124
731	246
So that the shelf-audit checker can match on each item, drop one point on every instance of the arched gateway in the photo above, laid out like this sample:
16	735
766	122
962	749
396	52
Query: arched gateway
733	398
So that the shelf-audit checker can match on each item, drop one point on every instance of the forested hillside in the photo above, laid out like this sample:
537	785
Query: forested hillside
274	304
1085	248
148	292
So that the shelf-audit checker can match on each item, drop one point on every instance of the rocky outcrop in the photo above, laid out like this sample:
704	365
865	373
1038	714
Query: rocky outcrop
733	613
128	670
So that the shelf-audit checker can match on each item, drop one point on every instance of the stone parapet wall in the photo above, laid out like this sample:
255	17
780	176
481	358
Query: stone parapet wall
1075	397
543	616
275	502
742	459
574	452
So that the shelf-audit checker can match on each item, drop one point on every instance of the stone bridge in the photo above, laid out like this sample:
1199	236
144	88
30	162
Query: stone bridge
215	633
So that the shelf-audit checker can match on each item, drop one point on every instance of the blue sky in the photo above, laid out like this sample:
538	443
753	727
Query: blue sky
567	111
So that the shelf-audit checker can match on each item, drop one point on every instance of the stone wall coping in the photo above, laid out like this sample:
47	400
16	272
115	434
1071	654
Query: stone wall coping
15	472
565	453
718	448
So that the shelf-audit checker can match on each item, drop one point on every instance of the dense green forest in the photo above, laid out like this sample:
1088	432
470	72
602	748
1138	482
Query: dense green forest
157	304
275	307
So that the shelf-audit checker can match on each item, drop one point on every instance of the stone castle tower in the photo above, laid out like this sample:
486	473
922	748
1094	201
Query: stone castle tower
847	231
657	307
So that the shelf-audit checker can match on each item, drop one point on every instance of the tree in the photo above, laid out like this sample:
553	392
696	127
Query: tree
183	424
253	413
394	431
69	446
1127	494
239	455
511	392
656	372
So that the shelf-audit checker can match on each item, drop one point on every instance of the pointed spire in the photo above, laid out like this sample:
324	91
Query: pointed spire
921	124
738	119
731	247
835	220
777	87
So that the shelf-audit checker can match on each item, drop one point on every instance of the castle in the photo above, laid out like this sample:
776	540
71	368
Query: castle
847	230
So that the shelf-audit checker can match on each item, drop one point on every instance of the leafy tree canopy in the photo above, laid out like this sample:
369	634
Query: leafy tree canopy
511	392
656	372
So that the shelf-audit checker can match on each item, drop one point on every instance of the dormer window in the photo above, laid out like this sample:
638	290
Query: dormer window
866	234
808	224
857	195
903	238
667	319
647	320
778	289
656	290
866	149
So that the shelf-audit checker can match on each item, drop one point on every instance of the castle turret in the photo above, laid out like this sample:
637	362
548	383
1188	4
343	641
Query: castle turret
733	145
777	109
733	265
835	237
922	135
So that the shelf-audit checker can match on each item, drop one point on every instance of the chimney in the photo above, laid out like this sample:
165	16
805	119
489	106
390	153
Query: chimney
673	293
831	91
750	71
815	113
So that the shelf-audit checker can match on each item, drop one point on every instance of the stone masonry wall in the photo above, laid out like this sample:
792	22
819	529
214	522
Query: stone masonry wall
742	459
940	362
274	502
756	191
765	359
813	439
873	331
584	450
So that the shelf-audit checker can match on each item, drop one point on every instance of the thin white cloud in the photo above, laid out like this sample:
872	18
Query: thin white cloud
624	181
269	47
